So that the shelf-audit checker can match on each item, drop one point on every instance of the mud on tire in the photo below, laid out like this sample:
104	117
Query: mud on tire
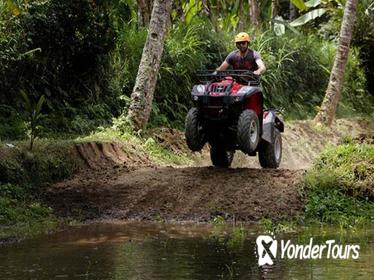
248	133
220	157
270	154
195	137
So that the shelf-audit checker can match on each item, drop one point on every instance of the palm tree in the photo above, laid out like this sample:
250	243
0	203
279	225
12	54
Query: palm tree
327	112
145	84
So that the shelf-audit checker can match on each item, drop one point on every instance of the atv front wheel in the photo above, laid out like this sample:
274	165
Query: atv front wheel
220	157
248	134
195	137
270	154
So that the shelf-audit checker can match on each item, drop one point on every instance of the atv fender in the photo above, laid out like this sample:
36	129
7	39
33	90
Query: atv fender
270	122
247	91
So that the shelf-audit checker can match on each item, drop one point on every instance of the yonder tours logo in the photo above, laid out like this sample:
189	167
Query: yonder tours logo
267	248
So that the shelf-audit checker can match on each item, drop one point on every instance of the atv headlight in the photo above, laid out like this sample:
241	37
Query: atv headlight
243	90
200	89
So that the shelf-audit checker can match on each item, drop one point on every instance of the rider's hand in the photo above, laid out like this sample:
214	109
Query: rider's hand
258	73
214	73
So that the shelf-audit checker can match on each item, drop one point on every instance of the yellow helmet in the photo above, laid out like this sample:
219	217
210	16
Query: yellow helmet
242	37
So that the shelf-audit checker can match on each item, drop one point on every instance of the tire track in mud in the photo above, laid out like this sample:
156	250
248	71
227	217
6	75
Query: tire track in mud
123	183
179	194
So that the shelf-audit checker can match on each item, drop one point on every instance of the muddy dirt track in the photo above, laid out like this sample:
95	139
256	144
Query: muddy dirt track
120	183
180	194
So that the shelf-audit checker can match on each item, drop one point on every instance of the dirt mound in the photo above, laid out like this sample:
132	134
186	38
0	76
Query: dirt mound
171	139
99	156
180	194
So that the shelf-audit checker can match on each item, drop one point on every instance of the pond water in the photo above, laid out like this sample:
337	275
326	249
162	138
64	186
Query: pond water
158	251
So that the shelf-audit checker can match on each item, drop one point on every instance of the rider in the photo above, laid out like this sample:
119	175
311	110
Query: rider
244	58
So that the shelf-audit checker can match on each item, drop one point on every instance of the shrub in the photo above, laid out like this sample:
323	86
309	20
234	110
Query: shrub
59	49
340	185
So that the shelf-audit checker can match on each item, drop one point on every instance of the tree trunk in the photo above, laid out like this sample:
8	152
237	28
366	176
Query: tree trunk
274	8
326	114
145	8
145	84
254	12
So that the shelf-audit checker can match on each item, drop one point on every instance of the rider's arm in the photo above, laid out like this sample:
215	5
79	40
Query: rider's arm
223	66
228	61
261	67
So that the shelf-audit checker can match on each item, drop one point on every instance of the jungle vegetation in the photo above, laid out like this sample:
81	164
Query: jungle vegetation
68	67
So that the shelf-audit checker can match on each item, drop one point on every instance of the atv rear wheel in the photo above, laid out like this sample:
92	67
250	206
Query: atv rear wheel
270	154
248	134
220	156
195	137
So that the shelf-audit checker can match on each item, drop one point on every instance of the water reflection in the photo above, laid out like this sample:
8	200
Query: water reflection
156	251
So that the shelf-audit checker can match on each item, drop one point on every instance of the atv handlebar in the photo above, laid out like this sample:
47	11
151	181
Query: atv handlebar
241	76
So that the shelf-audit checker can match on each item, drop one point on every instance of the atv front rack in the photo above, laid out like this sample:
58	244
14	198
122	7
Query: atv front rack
241	76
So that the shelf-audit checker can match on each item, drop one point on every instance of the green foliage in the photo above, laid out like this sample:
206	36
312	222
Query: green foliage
335	207
125	59
21	214
33	117
23	179
340	188
83	56
13	211
349	167
218	221
296	78
187	49
49	162
313	14
58	49
237	237
231	236
14	127
363	38
299	4
267	225
298	70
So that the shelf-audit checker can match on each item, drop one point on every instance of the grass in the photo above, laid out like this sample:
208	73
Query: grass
267	225
339	188
145	144
22	214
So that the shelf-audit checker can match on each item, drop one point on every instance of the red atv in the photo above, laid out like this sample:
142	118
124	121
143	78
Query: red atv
229	115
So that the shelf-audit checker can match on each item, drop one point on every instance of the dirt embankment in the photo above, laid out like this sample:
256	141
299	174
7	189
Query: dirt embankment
121	185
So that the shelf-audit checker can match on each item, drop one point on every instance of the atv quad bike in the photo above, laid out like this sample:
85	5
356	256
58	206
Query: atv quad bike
228	114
